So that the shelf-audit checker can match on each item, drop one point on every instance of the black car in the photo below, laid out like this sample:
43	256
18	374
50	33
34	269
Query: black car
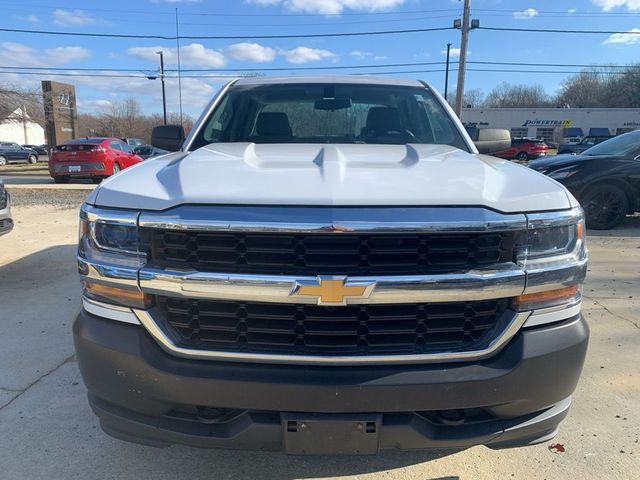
605	179
12	152
583	145
39	149
148	151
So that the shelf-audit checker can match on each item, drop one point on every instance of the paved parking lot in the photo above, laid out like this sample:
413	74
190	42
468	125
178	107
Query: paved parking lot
47	430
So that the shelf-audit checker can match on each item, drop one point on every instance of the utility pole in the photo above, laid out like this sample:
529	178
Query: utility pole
446	75
24	124
462	64
164	96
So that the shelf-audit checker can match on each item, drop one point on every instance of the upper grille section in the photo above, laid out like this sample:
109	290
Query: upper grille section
328	253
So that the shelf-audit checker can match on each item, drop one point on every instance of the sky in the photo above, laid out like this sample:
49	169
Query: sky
24	52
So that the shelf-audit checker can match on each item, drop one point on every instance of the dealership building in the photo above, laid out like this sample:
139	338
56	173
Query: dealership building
554	124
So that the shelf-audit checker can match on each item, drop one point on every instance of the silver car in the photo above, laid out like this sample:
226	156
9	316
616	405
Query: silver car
6	222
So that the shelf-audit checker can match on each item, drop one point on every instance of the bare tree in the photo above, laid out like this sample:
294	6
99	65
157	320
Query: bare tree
506	95
473	98
603	87
29	102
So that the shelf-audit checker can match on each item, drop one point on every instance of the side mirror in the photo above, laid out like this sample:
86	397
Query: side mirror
491	140
168	137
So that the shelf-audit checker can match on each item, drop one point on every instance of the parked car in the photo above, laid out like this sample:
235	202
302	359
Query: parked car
582	145
133	142
291	279
12	152
524	149
91	157
605	179
149	151
6	222
39	149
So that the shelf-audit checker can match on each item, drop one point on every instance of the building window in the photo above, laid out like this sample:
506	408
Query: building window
620	131
519	132
545	134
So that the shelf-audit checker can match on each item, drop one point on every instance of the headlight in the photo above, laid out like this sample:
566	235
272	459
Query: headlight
563	173
110	237
553	241
109	257
553	253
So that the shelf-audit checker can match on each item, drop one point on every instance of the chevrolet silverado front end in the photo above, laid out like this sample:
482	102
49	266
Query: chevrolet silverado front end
329	266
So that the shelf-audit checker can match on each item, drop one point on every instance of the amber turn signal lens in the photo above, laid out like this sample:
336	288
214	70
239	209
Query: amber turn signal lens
530	301
118	296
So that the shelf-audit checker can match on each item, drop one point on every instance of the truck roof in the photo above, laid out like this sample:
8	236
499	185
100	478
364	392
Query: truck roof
347	79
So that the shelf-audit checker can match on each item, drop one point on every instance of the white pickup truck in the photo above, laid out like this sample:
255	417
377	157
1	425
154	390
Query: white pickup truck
327	265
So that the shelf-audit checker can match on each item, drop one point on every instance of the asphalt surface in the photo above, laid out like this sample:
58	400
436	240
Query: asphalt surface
47	430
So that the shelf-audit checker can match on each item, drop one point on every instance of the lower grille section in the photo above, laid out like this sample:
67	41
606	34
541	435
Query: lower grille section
346	330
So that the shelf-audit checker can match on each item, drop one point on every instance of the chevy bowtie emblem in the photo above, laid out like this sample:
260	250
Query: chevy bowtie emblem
332	290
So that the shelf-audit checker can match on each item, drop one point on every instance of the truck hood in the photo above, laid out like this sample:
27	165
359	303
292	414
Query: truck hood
330	175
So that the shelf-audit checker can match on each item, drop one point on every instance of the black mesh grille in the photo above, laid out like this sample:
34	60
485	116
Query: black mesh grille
330	253
311	329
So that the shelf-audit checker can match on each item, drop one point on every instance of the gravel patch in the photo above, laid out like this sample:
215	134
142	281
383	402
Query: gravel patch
66	199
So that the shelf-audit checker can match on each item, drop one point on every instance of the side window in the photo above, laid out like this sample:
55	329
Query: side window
115	145
125	147
219	121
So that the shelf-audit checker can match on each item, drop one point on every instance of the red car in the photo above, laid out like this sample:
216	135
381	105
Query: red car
524	149
94	158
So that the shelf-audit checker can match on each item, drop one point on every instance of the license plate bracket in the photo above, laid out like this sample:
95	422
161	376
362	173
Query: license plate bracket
327	434
75	168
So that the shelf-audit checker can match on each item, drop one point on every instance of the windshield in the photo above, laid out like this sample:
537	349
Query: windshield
330	113
624	145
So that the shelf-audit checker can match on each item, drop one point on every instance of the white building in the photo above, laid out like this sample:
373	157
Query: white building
15	126
554	124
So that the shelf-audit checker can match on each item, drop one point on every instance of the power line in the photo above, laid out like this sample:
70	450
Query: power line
552	30
559	12
209	14
323	67
224	37
236	74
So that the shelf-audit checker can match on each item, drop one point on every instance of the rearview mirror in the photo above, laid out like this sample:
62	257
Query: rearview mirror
332	104
491	140
168	137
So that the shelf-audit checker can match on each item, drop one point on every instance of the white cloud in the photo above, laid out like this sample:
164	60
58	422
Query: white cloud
380	57
607	5
94	105
75	18
525	14
61	55
630	38
360	54
453	52
194	54
28	18
572	10
305	54
331	7
250	52
20	55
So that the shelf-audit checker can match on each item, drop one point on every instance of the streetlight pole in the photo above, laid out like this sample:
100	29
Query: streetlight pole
446	75
164	97
462	64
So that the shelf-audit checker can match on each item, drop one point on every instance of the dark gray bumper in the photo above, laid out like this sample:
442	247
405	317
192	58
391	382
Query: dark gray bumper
140	393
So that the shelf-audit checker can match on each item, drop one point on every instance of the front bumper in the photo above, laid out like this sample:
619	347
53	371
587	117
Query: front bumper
142	394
